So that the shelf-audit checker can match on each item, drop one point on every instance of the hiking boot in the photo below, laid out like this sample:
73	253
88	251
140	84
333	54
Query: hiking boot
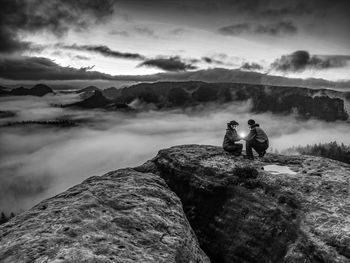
262	154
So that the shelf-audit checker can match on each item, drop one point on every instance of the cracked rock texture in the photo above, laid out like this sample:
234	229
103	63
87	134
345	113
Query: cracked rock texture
239	212
123	216
242	213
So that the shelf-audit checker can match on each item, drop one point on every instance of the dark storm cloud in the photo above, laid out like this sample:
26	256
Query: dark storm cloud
211	60
55	16
281	28
301	60
37	68
251	8
298	9
274	29
290	8
104	51
236	29
80	57
40	68
251	66
177	31
120	33
168	64
274	8
145	31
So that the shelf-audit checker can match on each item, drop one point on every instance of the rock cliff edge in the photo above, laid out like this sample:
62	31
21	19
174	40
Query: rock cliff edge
190	199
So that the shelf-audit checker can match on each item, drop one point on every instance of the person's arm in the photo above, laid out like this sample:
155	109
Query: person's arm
235	136
251	135
229	135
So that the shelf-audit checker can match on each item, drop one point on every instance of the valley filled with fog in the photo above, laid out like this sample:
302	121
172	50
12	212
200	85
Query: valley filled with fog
38	161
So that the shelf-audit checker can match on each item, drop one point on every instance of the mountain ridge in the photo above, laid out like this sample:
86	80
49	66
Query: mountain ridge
318	103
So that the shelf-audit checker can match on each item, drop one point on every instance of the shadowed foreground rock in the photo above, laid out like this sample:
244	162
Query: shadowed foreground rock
239	212
123	216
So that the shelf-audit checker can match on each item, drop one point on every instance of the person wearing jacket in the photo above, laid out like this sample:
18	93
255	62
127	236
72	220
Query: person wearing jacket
256	139
231	137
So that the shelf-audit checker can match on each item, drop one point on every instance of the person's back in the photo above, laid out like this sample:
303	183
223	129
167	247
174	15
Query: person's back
260	134
256	139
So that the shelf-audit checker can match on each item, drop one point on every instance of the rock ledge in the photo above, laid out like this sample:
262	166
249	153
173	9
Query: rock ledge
238	212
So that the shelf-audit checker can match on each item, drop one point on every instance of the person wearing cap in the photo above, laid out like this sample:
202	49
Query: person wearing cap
256	139
231	137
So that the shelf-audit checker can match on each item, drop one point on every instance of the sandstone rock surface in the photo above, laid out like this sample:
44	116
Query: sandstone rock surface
123	216
242	213
239	212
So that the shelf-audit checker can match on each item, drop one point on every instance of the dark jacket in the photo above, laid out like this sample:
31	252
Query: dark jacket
256	133
230	138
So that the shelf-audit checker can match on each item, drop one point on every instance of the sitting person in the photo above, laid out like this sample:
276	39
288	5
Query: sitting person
230	138
256	139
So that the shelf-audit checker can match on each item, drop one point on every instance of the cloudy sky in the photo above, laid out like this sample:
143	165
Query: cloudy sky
91	39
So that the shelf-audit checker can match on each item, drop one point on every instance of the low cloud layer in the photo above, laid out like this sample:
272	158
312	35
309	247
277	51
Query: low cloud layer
104	51
37	68
251	66
261	9
211	60
41	68
301	60
37	162
272	29
168	64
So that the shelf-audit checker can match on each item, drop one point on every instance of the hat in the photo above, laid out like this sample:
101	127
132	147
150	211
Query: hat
233	123
251	122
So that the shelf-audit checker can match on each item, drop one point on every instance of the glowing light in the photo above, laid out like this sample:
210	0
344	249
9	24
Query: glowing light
242	134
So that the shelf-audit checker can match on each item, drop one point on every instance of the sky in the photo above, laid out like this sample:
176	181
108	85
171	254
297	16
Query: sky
95	39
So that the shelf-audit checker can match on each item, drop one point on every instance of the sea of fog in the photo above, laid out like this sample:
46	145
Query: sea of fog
39	161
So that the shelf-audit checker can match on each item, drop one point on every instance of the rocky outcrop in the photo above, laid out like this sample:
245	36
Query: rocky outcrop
306	103
239	210
123	216
242	213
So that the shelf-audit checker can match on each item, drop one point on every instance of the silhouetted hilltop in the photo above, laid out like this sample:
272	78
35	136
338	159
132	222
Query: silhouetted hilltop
111	92
190	199
98	101
322	104
7	114
219	75
88	89
38	90
19	91
4	91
